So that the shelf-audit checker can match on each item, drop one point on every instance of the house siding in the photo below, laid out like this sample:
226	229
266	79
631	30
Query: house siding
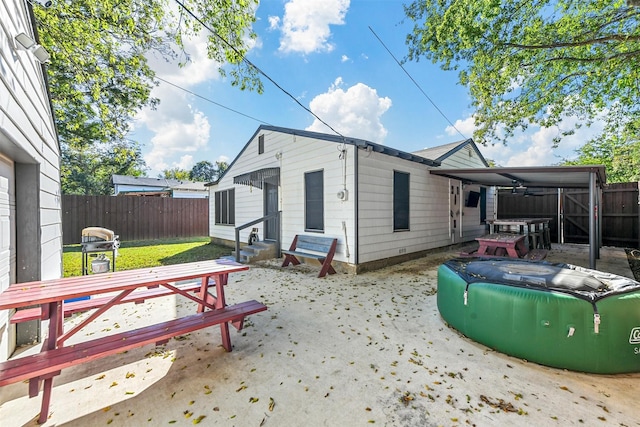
29	140
472	227
299	154
428	223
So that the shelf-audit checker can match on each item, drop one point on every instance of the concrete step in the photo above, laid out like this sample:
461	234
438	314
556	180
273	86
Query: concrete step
257	251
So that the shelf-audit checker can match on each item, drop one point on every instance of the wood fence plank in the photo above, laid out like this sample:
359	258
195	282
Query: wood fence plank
134	218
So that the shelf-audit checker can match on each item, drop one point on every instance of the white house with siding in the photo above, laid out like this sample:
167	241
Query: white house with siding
382	204
30	212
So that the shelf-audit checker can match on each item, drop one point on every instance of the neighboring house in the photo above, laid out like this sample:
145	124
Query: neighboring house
190	189
30	211
125	185
382	204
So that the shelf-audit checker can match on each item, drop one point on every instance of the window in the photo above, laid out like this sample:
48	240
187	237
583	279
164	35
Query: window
261	144
314	201
225	207
400	201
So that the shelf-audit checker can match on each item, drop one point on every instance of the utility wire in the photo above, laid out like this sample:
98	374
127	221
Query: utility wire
255	67
211	101
417	85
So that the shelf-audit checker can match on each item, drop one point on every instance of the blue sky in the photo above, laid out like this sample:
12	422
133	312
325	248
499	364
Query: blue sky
324	54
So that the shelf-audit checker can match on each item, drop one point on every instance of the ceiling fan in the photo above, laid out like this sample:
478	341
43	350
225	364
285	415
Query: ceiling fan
518	188
524	191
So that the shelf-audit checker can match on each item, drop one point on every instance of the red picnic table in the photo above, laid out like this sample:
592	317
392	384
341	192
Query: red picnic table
498	244
120	287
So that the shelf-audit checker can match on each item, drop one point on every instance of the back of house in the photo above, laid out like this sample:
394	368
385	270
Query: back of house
382	204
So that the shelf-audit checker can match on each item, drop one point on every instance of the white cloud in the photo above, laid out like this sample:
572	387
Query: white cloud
186	162
533	147
198	69
177	127
465	126
174	138
355	112
305	25
344	58
274	22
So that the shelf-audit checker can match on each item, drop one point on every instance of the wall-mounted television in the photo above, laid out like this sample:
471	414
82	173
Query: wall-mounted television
472	199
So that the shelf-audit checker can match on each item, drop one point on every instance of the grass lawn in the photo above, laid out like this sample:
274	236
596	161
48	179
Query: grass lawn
148	253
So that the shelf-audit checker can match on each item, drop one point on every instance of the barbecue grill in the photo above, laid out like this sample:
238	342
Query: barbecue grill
97	240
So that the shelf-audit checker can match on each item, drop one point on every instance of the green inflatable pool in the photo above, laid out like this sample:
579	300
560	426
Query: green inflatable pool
557	315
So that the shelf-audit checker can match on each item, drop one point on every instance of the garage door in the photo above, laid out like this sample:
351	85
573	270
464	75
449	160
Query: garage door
7	228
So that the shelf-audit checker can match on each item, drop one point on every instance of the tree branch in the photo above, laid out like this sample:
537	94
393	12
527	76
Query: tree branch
614	37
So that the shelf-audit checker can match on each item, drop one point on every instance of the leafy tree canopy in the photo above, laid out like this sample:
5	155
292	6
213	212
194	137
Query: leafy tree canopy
207	171
620	158
99	76
536	61
89	171
175	173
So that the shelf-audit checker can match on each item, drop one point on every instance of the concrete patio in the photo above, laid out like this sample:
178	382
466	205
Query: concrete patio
343	350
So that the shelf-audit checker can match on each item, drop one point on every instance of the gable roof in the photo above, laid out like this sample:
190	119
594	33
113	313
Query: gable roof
143	180
356	142
442	152
160	183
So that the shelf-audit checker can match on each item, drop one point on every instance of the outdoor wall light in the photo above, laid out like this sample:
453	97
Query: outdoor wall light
24	41
41	54
27	43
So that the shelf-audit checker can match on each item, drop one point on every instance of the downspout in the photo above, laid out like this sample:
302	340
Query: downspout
356	245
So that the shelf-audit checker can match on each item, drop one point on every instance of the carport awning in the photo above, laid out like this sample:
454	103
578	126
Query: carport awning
542	177
258	177
592	177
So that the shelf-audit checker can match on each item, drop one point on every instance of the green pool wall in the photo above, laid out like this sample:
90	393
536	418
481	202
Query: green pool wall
535	324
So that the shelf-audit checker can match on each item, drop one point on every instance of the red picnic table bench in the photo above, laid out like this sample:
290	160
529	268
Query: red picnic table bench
122	287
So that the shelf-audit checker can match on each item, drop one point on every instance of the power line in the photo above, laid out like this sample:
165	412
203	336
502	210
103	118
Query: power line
255	67
417	85
211	101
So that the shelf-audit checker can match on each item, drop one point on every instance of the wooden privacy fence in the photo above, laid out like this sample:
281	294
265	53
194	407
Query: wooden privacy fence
134	218
569	210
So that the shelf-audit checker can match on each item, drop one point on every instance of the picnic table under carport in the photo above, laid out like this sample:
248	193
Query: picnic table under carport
592	177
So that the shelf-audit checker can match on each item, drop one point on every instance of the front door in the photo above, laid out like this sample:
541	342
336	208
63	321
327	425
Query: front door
270	207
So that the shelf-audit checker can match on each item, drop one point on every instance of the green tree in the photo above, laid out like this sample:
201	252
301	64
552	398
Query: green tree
207	171
221	168
536	61
202	171
175	173
99	76
88	172
620	158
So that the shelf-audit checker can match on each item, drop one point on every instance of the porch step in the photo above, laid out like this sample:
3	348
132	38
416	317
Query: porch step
256	252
